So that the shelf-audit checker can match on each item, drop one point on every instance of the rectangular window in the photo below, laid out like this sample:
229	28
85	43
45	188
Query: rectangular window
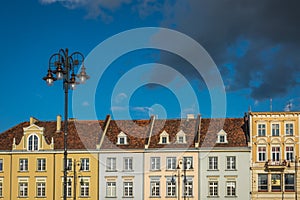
171	163
128	189
230	162
85	164
40	189
289	151
41	164
262	182
213	188
171	188
289	129
275	129
276	182
23	164
276	154
111	164
84	188
111	189
69	164
261	130
1	165
155	163
188	188
188	162
289	182
69	187
1	189
213	163
164	140
231	188
262	154
23	189
128	164
180	139
155	188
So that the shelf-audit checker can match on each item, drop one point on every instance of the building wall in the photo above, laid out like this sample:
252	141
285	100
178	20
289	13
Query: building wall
163	174
240	175
272	164
119	175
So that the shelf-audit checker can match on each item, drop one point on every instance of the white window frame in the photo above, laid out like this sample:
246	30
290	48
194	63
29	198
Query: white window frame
33	142
41	189
275	154
289	131
85	164
111	164
181	137
127	189
263	153
188	187
213	188
171	163
155	163
275	129
1	187
111	189
222	137
189	162
231	188
69	164
213	163
41	164
122	139
23	164
23	189
261	131
128	164
171	187
84	187
155	187
230	162
289	154
164	138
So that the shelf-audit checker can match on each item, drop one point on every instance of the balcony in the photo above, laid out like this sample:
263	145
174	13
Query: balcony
276	165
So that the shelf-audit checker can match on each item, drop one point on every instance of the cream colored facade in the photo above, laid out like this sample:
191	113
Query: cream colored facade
274	139
162	176
33	169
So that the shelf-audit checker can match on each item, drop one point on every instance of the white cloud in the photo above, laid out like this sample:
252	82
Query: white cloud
85	103
120	97
118	108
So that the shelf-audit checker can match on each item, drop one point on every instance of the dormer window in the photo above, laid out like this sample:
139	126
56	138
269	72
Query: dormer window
33	143
181	137
222	137
122	138
164	138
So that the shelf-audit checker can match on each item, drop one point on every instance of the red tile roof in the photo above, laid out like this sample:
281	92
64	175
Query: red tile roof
87	134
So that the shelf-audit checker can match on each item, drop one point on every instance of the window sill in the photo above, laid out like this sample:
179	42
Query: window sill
212	170
233	196
230	169
154	197
130	197
110	197
111	170
213	196
84	197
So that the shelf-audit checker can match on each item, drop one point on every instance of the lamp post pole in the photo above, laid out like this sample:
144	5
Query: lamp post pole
61	66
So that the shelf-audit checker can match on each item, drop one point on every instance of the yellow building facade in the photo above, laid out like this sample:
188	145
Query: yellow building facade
274	141
31	165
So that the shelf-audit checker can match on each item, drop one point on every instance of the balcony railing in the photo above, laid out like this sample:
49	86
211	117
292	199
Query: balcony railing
276	165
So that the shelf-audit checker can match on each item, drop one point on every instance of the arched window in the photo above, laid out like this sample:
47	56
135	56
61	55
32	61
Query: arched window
33	143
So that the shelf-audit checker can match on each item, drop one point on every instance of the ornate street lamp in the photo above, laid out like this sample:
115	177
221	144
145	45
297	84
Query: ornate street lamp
184	163
62	67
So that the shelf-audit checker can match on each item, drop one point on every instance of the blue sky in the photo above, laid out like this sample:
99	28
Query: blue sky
255	46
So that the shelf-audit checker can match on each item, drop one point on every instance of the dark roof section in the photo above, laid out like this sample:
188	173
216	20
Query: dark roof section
172	127
136	131
234	127
87	134
81	134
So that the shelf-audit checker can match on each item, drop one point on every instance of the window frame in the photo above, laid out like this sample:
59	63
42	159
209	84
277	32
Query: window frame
171	163
289	184
155	163
127	189
261	129
262	154
23	164
231	188
213	163
230	162
275	153
128	164
111	189
23	189
262	184
289	131
85	164
41	189
41	164
155	188
33	142
275	187
84	188
1	165
213	188
111	164
275	129
171	188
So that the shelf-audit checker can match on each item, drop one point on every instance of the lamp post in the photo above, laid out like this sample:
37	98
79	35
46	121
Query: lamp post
62	67
75	163
184	167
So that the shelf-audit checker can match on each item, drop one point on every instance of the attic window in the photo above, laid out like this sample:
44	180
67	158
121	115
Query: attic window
122	138
181	137
222	137
33	143
164	138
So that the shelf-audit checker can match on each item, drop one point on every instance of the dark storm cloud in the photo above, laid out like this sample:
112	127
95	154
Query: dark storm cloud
270	64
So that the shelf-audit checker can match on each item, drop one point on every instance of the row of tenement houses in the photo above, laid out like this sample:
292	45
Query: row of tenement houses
254	157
